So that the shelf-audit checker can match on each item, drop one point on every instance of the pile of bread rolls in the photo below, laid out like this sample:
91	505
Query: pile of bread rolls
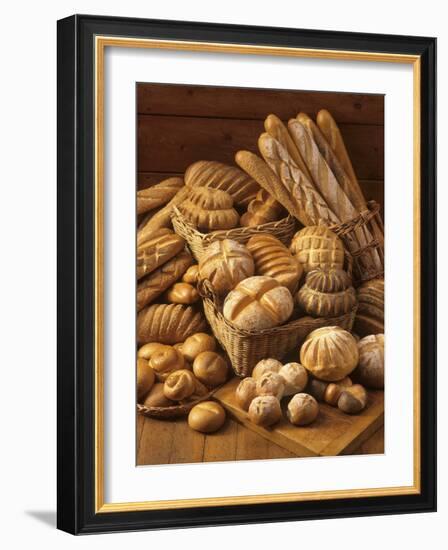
183	374
327	358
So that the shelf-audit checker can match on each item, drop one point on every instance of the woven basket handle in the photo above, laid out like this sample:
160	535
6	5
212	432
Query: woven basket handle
207	292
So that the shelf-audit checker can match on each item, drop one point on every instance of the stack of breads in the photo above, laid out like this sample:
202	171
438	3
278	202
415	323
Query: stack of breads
334	369
304	171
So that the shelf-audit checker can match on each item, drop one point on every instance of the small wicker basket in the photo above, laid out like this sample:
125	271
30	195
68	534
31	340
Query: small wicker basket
283	229
246	348
173	411
368	257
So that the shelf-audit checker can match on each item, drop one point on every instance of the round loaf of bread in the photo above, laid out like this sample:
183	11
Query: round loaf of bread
209	209
329	353
258	303
245	392
182	293
206	417
225	263
147	350
317	246
179	385
271	383
295	378
370	369
156	397
145	377
273	259
210	368
302	409
327	293
166	361
196	344
265	410
191	275
266	365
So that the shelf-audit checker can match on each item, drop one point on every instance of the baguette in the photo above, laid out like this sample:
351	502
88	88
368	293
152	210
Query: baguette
157	195
207	173
313	208
162	278
162	218
267	179
157	250
168	323
276	129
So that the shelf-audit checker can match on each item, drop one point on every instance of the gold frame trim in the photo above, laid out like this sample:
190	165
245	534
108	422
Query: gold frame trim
101	42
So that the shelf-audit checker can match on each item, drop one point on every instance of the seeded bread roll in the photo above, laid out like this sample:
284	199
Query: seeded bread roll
206	173
273	259
209	209
162	278
318	247
225	263
157	250
157	195
258	303
168	323
327	293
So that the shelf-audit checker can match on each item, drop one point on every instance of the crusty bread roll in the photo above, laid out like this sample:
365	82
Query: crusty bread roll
205	173
273	259
329	353
302	409
266	365
179	385
191	275
353	399
210	368
196	344
182	293
370	369
245	392
209	209
162	278
157	250
168	323
258	303
317	246
263	209
265	410
145	377
165	361
225	263
327	293
206	417
334	389
295	378
147	350
157	195
156	397
271	383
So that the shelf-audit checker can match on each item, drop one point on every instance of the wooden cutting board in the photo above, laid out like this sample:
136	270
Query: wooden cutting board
332	433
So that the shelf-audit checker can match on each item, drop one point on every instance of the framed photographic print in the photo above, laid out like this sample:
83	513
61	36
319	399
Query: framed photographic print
246	274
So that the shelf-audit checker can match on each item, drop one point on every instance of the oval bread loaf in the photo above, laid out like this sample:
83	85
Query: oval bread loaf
273	259
207	173
225	263
168	323
157	250
157	195
258	303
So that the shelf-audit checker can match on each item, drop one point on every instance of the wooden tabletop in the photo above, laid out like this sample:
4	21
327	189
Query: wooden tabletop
173	442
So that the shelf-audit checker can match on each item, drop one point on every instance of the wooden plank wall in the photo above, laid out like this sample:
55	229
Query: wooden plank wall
180	124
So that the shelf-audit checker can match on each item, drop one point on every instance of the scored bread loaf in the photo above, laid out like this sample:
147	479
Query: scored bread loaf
168	323
209	209
273	259
207	173
162	278
225	263
317	246
263	209
370	313
157	250
157	195
258	303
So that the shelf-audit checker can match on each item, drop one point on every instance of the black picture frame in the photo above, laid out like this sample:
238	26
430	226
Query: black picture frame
76	444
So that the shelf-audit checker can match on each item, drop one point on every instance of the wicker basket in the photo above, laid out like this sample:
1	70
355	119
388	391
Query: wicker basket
368	258
246	348
198	242
174	411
